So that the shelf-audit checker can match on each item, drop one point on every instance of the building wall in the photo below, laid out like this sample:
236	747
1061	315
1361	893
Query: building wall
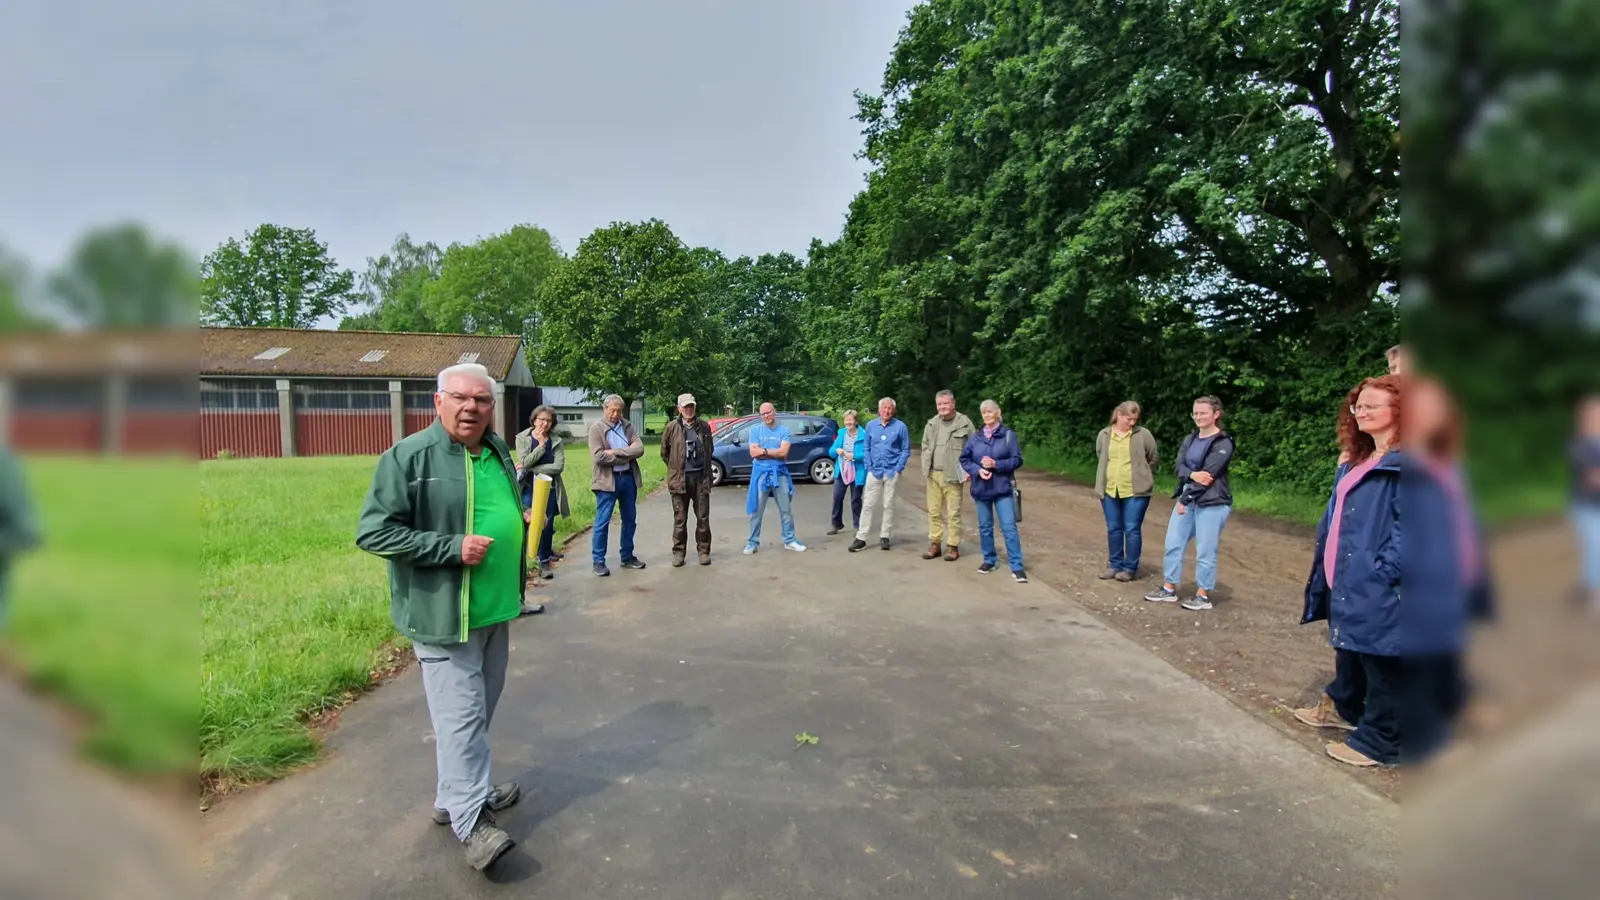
576	419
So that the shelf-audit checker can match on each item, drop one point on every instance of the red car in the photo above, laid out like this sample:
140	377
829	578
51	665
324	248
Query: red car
720	422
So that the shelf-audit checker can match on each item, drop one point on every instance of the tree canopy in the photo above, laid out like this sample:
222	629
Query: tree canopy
276	277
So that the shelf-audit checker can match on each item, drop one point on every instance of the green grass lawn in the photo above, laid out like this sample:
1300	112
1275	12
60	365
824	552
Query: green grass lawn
102	613
294	618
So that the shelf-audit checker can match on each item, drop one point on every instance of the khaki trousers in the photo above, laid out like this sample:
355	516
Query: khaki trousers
944	510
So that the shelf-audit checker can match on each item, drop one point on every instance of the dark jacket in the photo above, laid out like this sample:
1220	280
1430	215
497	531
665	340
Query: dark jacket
416	515
1363	605
674	449
551	459
1006	452
19	522
1440	598
1218	456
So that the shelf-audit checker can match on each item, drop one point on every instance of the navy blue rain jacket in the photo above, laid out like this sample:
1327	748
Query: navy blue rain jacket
1363	605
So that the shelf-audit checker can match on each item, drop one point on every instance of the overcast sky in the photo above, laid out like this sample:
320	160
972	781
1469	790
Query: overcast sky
730	120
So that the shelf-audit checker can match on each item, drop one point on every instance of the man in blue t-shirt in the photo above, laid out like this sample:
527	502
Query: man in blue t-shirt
769	476
888	451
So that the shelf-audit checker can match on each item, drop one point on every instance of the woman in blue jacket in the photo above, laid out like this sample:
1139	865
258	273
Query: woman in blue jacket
991	458
849	452
1355	581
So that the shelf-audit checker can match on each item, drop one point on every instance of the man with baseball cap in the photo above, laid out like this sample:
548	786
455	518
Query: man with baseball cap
686	447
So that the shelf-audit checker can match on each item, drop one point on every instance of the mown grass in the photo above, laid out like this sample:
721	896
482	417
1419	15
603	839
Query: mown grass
102	613
294	618
1261	498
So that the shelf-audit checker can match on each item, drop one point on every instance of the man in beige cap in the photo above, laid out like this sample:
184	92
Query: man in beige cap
686	447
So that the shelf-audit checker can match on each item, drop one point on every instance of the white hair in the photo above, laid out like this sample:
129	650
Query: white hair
613	400
888	400
474	369
988	405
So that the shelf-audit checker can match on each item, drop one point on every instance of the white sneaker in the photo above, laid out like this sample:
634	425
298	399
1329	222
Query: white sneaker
749	549
796	546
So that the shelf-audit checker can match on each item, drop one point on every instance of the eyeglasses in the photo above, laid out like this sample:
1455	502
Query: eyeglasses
470	399
545	420
1360	408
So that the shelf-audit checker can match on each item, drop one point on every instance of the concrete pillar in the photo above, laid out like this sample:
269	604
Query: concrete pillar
114	414
397	411
502	415
286	417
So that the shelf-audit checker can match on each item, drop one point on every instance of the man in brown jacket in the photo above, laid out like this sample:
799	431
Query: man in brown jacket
686	447
615	447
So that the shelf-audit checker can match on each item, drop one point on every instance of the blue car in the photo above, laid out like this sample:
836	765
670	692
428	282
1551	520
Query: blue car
808	452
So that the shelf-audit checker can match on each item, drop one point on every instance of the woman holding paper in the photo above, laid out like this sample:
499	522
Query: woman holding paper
540	452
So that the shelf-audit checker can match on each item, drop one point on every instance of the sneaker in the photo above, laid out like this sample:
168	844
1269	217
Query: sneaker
750	549
857	544
705	557
1020	576
532	608
677	560
557	555
796	546
487	842
601	570
1124	577
1107	575
883	543
836	529
633	562
1350	756
544	571
1197	603
986	568
501	796
1323	715
1162	594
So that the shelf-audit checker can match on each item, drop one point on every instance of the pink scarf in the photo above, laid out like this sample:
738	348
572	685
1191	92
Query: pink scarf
1330	552
847	467
1466	541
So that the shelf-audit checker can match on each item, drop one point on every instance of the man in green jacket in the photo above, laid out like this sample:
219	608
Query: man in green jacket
942	440
444	510
19	527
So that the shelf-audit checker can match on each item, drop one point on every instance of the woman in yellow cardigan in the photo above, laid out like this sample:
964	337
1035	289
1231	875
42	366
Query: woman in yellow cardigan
1125	481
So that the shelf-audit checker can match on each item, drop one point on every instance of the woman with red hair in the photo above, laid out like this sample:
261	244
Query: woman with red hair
1355	580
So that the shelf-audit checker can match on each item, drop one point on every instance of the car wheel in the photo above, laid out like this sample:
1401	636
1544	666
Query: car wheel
717	474
822	471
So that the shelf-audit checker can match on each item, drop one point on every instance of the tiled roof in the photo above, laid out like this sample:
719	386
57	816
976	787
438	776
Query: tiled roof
286	352
91	353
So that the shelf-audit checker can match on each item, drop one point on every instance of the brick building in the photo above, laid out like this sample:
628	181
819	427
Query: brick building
290	392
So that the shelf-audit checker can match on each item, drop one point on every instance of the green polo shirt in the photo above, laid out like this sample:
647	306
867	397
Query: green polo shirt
494	586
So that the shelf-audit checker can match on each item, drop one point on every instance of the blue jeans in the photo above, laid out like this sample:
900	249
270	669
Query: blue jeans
1586	518
785	514
1203	525
1005	509
625	496
1124	521
547	537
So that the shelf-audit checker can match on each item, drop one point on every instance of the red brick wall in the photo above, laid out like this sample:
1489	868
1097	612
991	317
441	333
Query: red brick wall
241	432
342	432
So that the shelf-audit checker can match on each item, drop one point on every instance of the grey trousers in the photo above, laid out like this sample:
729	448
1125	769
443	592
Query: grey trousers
463	683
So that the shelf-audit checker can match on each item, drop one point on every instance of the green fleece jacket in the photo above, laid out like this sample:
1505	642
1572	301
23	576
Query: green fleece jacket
417	512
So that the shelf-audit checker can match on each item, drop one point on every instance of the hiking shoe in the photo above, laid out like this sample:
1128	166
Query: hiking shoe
1107	575
633	562
857	544
986	568
1196	603
705	557
501	796
532	607
1123	576
883	543
1162	594
933	551
487	842
836	529
796	546
677	560
750	548
1020	576
1350	756
601	570
544	571
1323	715
557	555
952	554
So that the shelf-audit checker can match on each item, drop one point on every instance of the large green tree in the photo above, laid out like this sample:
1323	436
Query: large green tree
276	277
759	304
14	282
121	277
491	286
629	313
393	288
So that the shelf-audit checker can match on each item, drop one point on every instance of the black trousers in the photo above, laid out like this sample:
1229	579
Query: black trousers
839	490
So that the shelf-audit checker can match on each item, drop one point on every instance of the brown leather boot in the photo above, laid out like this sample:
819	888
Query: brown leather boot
934	551
952	554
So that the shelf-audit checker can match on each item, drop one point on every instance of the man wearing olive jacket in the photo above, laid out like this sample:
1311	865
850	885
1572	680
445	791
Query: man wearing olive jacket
445	512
